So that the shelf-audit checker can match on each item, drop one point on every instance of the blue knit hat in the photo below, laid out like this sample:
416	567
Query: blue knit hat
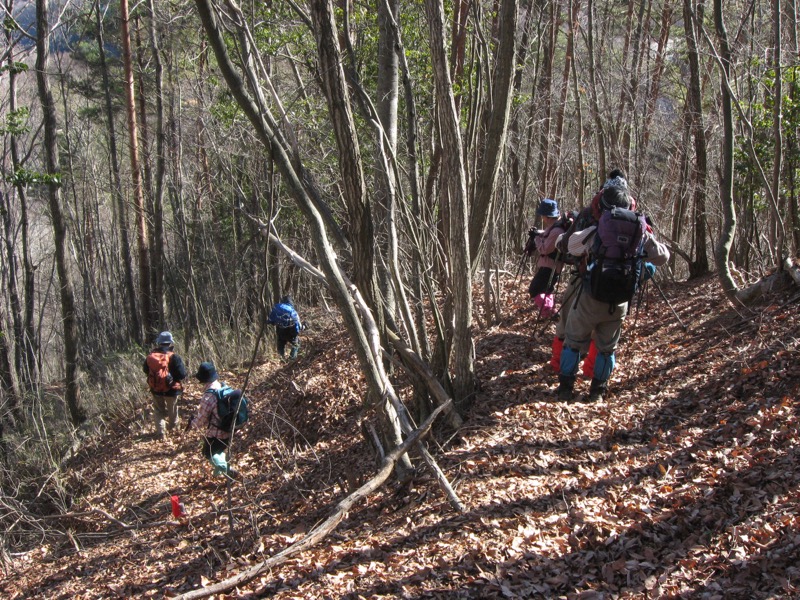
548	208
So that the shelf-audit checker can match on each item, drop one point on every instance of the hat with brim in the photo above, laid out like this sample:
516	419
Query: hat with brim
548	208
206	372
164	339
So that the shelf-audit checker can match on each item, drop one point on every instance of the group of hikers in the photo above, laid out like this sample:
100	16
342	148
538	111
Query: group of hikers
610	251
221	409
608	248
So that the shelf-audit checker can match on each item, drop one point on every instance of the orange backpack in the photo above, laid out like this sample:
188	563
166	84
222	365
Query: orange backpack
159	378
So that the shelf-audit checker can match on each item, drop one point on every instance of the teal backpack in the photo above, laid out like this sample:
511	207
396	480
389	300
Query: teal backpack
232	408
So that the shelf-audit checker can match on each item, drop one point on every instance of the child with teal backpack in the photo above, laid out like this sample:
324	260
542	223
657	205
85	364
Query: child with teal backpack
218	428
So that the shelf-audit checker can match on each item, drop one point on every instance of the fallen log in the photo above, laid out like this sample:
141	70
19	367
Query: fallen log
771	283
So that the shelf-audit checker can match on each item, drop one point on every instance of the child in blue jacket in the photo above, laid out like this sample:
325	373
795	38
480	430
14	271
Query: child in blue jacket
287	326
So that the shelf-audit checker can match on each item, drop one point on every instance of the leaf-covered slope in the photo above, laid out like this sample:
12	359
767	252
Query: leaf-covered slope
682	482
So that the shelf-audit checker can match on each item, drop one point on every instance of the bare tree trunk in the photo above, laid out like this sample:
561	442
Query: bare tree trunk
658	71
205	186
146	163
544	97
793	243
72	393
186	304
352	178
421	344
459	43
146	301
8	389
779	242
726	182
144	129
25	363
455	190
561	106
519	222
158	190
387	101
699	266
355	195
493	145
619	123
630	88
683	177
595	104
395	300
519	174
134	324
580	184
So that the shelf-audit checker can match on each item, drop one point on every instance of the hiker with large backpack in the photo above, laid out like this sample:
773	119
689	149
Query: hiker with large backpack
586	217
287	326
614	252
165	372
549	264
221	411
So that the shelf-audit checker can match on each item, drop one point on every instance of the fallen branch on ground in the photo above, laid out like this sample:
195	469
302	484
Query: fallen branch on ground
322	530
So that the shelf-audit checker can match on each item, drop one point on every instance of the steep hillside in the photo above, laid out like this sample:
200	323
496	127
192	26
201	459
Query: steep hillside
683	482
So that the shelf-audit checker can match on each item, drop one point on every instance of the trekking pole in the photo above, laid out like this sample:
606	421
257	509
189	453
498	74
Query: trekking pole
522	260
660	291
527	252
639	303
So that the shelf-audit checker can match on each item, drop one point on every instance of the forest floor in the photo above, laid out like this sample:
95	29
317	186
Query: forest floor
683	482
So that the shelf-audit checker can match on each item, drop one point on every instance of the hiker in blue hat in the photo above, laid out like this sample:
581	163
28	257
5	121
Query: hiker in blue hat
548	265
165	371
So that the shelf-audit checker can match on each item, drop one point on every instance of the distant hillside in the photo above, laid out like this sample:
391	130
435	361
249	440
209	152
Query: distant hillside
25	15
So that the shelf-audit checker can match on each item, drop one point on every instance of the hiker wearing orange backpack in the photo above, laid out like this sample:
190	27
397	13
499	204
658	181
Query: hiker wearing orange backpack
165	371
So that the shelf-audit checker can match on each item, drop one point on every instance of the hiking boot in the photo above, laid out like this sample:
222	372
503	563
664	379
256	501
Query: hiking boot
565	394
566	383
597	390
